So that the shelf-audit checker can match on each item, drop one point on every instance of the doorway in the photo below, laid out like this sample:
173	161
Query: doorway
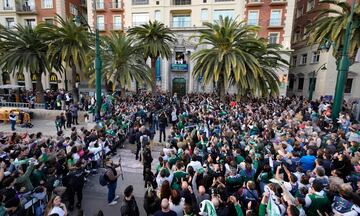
179	86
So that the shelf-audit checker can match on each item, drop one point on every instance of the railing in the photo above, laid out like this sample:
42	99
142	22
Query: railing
181	2
224	0
180	24
115	5
8	7
140	2
26	8
22	105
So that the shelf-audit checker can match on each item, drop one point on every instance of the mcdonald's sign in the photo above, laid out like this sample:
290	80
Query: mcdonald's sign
53	78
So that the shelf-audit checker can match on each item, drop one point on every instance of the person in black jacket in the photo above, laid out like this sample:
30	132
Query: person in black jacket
162	126
129	206
147	159
68	118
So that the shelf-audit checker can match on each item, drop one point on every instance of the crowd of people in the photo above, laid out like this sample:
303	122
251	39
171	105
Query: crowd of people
275	156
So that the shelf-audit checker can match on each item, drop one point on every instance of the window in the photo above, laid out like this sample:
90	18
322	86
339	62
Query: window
312	84
303	59
291	83
8	5
10	22
117	23
223	0
100	4
301	83
204	1
100	23
181	2
49	21
157	2
310	5
140	2
73	10
204	15
315	57
254	1
158	15
28	5
348	86
294	61
30	22
47	4
253	18
180	21
139	18
223	13
275	18
273	38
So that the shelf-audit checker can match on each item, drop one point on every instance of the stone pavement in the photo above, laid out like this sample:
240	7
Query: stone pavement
94	195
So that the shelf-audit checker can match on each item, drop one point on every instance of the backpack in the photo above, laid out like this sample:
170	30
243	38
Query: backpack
102	180
145	140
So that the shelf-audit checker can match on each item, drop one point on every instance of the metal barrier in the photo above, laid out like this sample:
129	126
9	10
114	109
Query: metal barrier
23	105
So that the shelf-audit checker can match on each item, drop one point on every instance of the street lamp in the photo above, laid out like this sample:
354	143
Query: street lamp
312	83
343	68
97	65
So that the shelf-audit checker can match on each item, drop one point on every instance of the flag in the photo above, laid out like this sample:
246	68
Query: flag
207	208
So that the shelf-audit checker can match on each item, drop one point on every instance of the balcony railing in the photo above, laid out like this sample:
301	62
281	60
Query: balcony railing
8	7
224	0
254	2
25	8
180	24
274	23
181	2
116	5
140	2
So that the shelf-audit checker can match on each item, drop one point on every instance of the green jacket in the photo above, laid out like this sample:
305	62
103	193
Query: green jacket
318	202
24	180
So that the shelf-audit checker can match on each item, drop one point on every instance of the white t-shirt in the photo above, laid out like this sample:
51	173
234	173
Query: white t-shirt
57	210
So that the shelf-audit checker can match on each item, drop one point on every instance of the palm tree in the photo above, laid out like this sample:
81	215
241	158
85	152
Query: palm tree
25	48
330	24
71	42
123	61
230	57
155	40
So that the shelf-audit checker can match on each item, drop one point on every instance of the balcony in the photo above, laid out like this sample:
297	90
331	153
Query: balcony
116	27
100	5
181	2
276	23
179	67
8	7
116	6
180	24
278	2
254	3
140	2
26	9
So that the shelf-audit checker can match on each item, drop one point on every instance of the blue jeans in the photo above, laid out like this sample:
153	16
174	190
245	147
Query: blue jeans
13	123
111	191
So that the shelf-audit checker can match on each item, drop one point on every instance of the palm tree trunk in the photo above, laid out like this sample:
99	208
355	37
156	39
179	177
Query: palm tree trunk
39	88
221	87
75	91
153	75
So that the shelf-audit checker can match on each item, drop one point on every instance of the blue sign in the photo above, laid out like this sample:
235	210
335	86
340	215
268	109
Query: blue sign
158	69
180	67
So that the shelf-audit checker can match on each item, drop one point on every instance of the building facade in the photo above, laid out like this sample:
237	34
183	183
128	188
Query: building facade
186	17
313	69
31	13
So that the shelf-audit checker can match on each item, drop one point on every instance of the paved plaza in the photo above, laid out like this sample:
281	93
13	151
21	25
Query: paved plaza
95	196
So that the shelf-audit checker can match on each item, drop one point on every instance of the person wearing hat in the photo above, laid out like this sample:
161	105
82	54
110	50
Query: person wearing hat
129	206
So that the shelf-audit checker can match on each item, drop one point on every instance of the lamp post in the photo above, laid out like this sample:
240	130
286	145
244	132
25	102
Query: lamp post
97	65
343	68
312	83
